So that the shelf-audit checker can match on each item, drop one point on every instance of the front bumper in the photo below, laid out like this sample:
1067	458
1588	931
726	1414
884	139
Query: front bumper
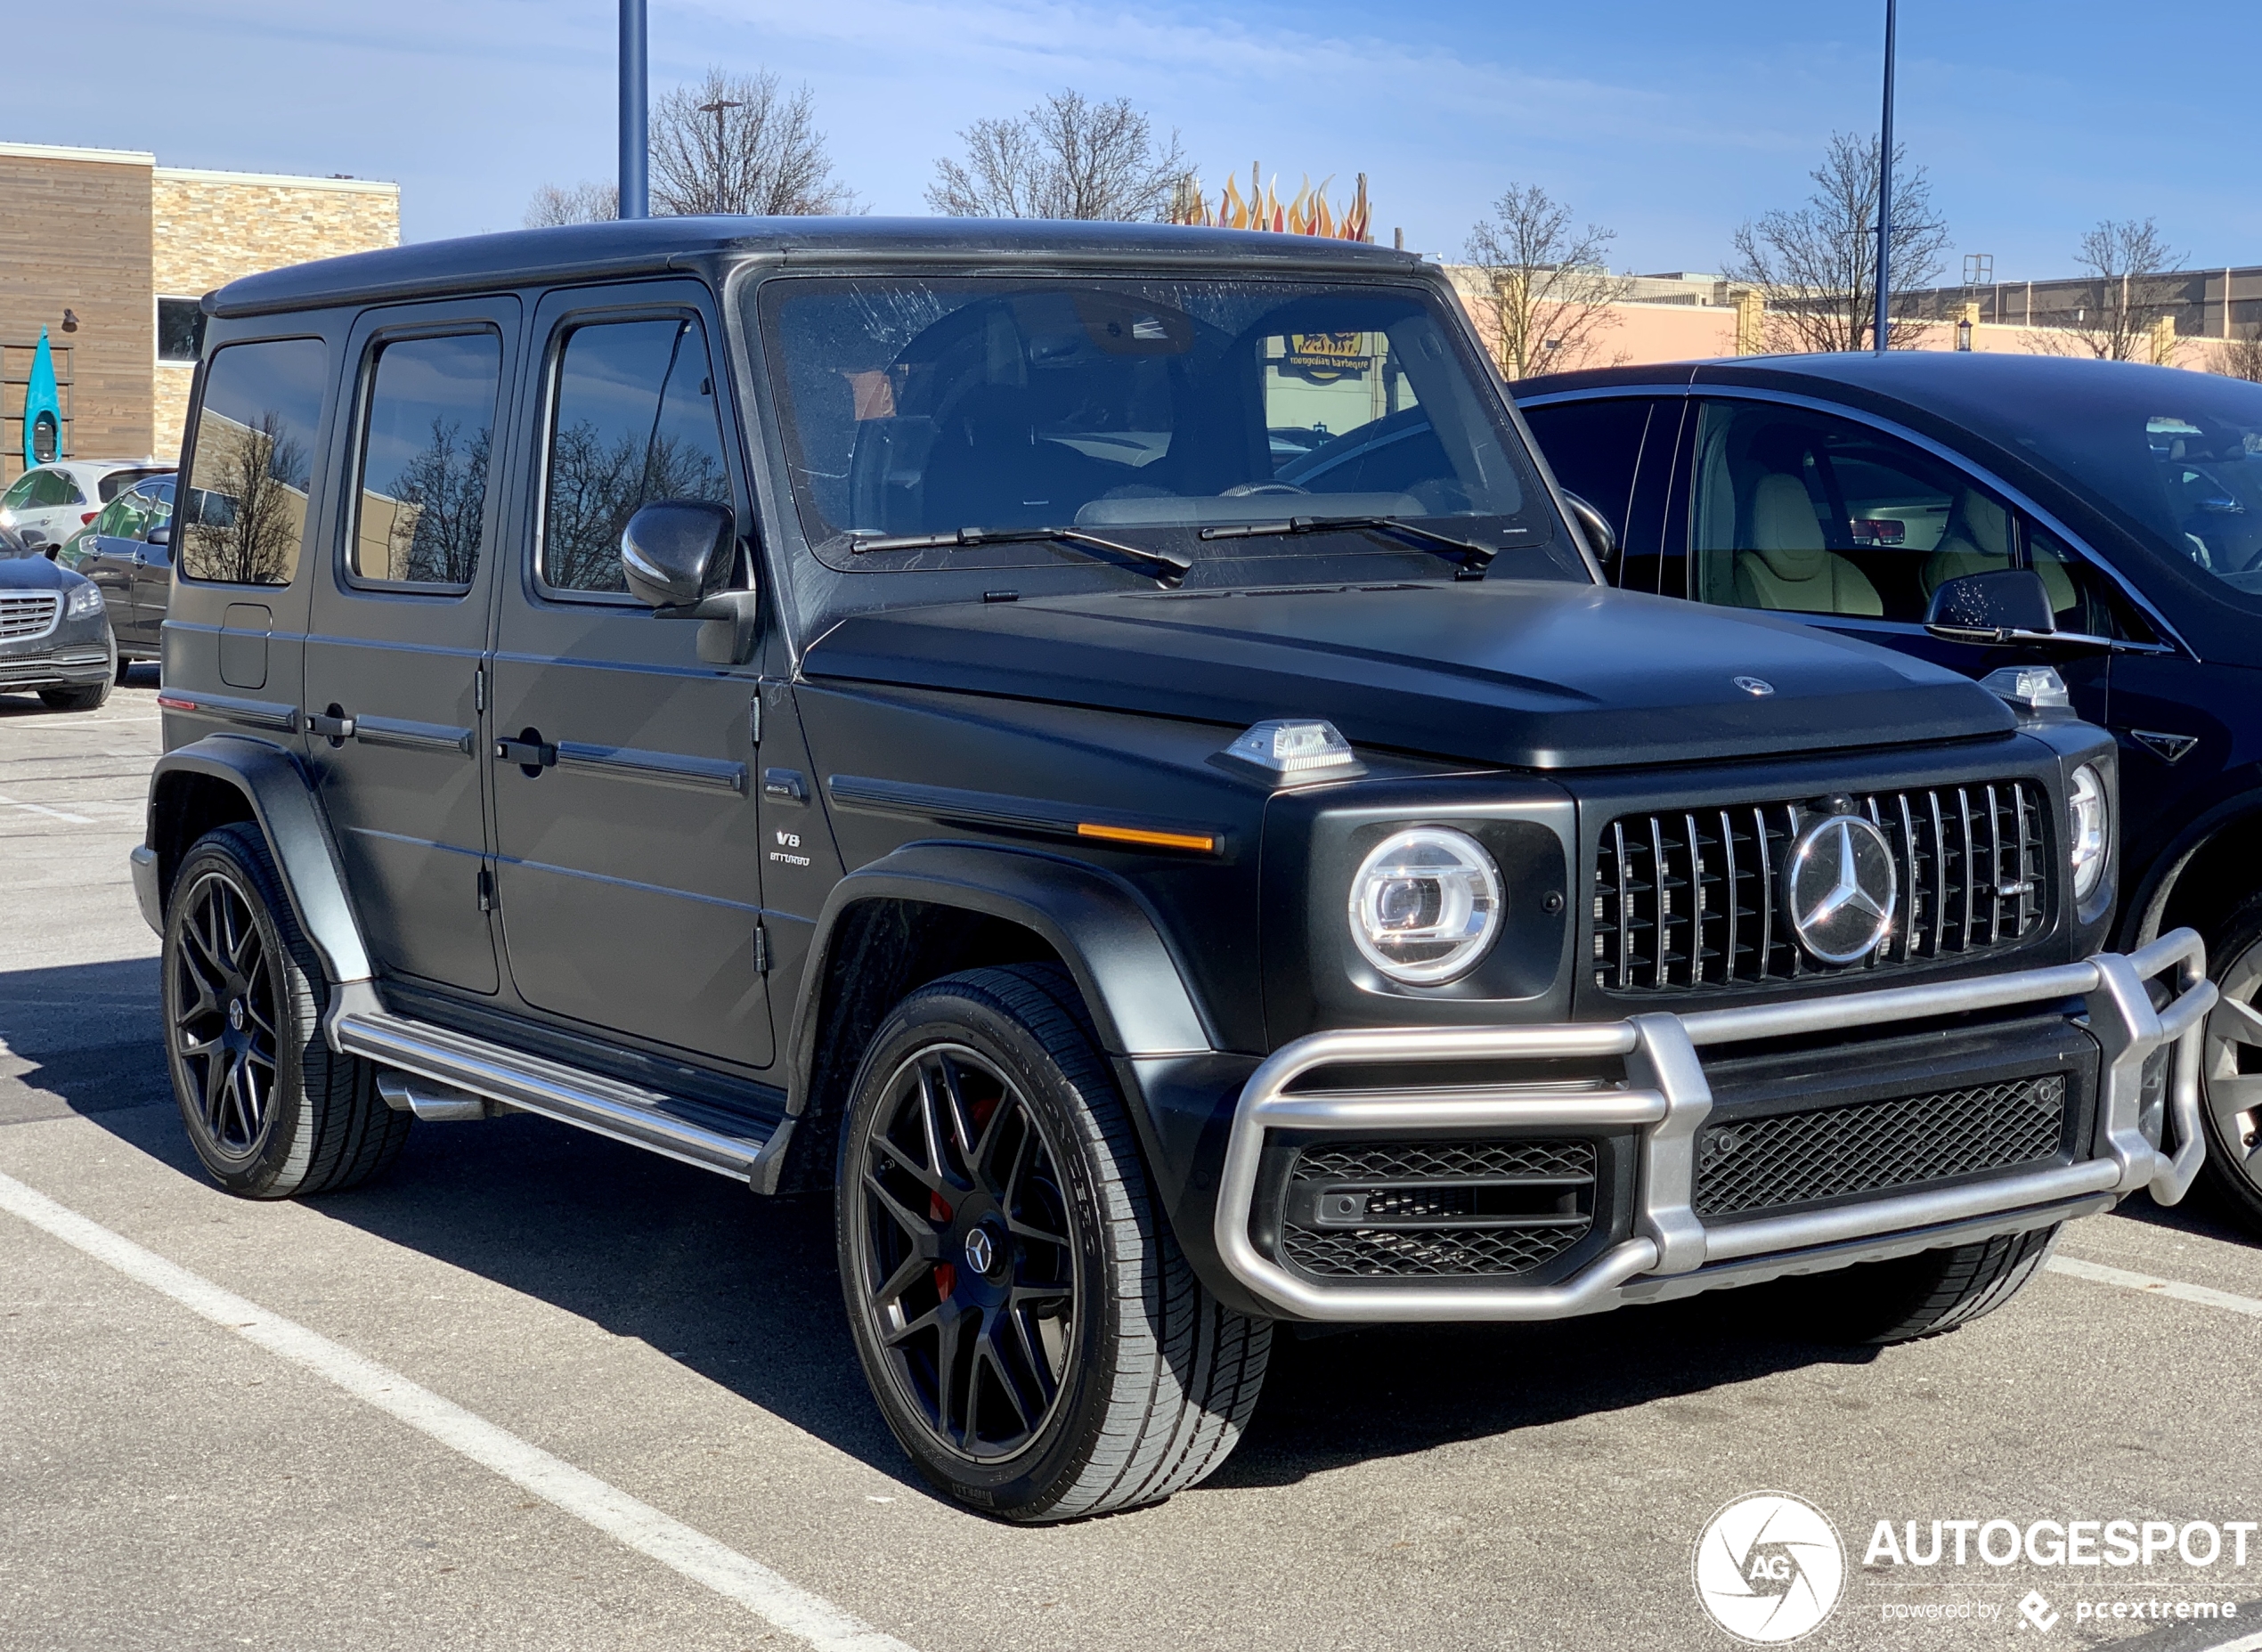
64	664
1671	1250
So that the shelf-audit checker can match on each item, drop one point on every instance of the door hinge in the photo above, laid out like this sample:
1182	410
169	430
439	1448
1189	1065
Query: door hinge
479	688
754	718
486	890
761	950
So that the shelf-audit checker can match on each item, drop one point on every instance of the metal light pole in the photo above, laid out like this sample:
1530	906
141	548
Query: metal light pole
1884	196
717	203
636	128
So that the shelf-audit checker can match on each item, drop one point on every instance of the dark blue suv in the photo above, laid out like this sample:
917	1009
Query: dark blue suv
1847	490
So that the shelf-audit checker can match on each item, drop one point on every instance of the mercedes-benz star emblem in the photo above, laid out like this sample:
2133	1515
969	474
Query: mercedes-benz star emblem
981	1255
1757	686
1842	888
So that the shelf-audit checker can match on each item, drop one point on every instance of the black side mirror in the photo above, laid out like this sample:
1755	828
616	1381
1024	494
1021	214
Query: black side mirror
160	534
2011	604
1601	538
676	554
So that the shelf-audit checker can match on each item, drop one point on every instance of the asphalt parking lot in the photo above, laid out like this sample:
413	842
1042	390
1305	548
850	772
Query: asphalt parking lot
538	1390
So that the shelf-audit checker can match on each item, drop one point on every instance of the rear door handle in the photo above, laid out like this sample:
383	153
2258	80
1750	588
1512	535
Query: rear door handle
528	751
330	725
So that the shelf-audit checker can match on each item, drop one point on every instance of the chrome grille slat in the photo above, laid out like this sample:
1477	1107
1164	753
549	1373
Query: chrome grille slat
1683	923
29	614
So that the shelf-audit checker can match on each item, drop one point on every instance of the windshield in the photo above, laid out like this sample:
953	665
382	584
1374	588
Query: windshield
1146	411
2180	452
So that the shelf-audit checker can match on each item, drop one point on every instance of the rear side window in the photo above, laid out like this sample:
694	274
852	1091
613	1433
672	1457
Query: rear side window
118	481
252	455
52	488
632	419
426	434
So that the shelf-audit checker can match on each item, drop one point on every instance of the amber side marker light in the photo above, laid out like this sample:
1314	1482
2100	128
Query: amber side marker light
1205	844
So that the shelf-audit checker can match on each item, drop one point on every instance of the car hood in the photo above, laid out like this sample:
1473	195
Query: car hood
1528	674
36	572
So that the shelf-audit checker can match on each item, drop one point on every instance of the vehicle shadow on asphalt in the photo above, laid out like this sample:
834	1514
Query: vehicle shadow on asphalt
743	1289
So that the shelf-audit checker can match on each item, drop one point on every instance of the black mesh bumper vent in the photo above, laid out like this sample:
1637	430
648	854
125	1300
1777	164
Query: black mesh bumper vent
1693	900
1436	1209
1745	1165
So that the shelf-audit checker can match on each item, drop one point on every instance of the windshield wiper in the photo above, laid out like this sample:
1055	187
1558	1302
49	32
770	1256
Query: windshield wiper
1474	557
1163	567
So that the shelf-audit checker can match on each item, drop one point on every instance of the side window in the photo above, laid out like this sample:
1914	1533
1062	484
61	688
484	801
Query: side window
2083	600
19	494
632	419
1804	512
56	488
252	455
1593	448
428	428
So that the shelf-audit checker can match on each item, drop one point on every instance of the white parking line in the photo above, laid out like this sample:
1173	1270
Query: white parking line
2244	1643
41	809
597	1503
2206	1296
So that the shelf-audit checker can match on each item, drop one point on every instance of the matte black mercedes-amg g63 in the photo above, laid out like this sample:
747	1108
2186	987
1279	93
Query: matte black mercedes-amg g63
1102	746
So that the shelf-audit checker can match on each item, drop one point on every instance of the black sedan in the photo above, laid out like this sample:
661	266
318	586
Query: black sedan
1847	490
126	549
53	637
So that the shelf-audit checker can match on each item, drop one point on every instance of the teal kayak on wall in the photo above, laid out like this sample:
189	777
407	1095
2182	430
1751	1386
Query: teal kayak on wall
43	410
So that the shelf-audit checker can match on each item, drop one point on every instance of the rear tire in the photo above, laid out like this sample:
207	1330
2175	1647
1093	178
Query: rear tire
1925	1295
1029	1328
2229	1105
270	1109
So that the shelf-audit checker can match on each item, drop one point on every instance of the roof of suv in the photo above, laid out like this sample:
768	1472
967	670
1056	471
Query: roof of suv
647	245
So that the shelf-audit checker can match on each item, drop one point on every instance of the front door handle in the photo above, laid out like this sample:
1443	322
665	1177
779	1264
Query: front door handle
529	751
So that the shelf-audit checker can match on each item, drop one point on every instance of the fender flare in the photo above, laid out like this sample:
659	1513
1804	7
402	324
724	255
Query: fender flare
2148	901
1101	929
281	799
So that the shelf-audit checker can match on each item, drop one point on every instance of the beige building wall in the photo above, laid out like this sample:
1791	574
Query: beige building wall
208	228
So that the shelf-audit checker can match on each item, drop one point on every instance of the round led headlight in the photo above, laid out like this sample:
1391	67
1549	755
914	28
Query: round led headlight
1426	905
2088	826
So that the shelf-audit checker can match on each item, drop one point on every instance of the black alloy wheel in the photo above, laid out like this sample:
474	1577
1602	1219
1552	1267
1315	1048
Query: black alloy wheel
224	1014
965	1256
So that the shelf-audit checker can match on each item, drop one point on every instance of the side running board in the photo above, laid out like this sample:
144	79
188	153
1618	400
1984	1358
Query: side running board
626	1113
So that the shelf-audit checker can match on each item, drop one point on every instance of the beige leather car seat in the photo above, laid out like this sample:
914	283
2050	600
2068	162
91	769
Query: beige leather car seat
1789	566
1977	540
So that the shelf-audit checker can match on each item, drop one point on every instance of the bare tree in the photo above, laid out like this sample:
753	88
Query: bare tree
583	203
1067	158
1546	286
1817	267
2241	359
249	506
2132	286
741	144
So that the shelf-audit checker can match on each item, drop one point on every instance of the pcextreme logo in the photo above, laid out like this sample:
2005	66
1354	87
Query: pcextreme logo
1770	1567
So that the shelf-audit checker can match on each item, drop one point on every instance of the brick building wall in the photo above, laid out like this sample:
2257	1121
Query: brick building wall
75	234
210	227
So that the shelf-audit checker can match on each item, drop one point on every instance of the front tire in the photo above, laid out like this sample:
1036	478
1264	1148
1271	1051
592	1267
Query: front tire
270	1109
1033	1335
89	698
2231	1066
1925	1295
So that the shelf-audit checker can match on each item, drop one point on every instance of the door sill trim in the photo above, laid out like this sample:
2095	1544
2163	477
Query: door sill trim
358	1024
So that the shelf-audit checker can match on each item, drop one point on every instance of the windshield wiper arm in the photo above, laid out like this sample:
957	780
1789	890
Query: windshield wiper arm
1474	556
1165	568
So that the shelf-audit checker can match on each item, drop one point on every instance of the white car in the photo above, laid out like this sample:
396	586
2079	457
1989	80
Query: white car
50	502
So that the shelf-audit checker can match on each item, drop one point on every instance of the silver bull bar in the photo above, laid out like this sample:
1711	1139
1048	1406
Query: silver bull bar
1671	1251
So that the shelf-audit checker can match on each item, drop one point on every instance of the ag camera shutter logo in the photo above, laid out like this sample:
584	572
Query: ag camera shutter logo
1769	1568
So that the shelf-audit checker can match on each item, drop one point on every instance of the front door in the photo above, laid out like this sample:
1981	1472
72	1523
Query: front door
396	646
153	564
628	855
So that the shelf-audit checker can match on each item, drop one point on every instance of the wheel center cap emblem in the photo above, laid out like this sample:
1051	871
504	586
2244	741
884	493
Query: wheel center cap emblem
981	1250
235	1014
1842	888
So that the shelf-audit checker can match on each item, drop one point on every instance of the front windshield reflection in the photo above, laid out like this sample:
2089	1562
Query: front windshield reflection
928	406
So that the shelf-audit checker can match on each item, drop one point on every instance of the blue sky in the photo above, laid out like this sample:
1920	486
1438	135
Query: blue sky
1668	122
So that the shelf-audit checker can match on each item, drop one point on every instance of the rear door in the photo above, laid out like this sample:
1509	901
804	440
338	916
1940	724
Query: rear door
396	645
629	852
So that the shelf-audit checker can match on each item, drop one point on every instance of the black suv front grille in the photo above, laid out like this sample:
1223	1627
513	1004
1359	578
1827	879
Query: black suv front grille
1436	1209
1765	1163
1691	899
